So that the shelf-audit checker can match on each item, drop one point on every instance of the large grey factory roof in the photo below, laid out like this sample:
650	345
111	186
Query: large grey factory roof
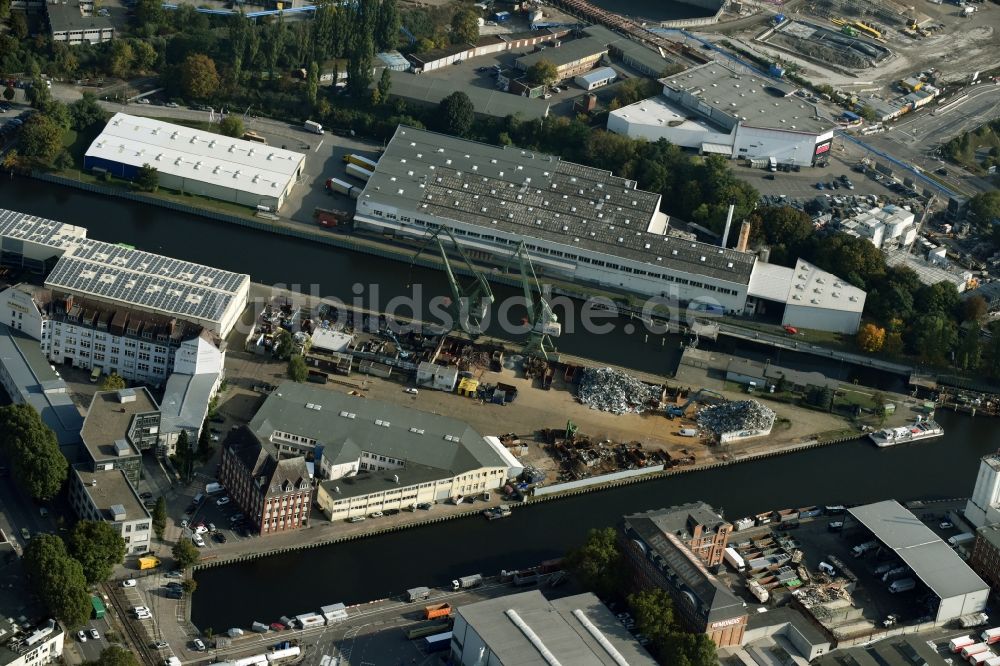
39	385
337	420
669	553
755	100
568	52
432	87
67	16
535	195
577	630
931	559
631	50
125	275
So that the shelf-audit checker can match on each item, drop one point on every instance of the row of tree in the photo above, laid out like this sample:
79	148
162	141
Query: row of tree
33	451
600	567
61	572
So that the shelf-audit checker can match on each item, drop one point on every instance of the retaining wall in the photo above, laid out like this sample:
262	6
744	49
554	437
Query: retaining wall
594	480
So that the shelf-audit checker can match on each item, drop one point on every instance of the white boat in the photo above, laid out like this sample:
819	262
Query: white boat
918	430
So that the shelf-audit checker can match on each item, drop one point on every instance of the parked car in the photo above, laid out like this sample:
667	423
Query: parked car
146	495
199	645
820	186
222	501
94	634
160	645
174	574
355	519
129	583
946	525
219	537
82	637
377	514
424	505
411	390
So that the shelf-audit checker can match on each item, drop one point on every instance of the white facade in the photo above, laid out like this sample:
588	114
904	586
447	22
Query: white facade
813	298
983	508
35	647
438	377
108	496
889	225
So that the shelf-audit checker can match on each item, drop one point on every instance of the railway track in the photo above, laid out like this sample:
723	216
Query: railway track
133	634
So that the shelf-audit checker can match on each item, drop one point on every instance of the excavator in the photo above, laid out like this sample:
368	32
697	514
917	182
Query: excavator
697	396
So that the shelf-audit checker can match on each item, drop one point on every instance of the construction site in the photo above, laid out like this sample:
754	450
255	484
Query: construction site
843	47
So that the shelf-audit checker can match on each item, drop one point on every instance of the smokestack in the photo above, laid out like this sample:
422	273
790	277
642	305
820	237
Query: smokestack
744	240
729	221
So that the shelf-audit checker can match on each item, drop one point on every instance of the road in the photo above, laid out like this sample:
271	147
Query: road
916	138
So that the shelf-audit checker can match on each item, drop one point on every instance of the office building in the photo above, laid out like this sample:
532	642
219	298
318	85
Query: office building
527	629
23	644
273	493
658	556
716	109
377	455
77	22
27	377
888	226
196	161
697	526
571	58
985	559
983	508
106	494
582	225
119	426
934	564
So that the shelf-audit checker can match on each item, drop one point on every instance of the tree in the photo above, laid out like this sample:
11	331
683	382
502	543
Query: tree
121	58
969	352
941	298
41	139
114	655
871	338
868	114
465	27
878	404
653	611
684	649
58	579
384	85
113	382
19	26
31	446
98	547
297	369
144	55
189	585
932	337
974	309
147	178
184	455
456	114
232	125
784	229
312	83
185	553
199	79
820	396
984	208
160	517
283	345
598	562
543	72
9	93
85	112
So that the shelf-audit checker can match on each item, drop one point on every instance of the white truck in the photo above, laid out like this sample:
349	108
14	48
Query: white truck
358	172
960	539
467	582
863	548
312	126
734	559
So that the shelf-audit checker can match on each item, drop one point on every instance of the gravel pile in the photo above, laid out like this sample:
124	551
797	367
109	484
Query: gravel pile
612	391
739	415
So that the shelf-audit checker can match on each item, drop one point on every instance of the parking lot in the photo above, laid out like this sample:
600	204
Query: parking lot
802	184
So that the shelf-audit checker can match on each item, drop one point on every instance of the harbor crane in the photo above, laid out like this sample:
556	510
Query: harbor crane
469	303
544	323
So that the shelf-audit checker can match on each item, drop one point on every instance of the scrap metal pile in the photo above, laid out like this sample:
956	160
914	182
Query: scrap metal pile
732	416
613	391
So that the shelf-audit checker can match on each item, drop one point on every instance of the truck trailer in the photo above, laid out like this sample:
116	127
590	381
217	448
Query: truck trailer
335	185
437	611
734	559
467	582
361	161
991	636
358	172
415	593
956	644
975	648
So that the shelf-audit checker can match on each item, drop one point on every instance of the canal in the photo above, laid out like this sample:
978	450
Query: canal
384	565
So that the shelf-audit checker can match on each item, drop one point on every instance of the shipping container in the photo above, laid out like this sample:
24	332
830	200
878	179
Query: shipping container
417	593
975	648
358	172
98	607
339	186
438	642
956	644
425	630
362	161
334	613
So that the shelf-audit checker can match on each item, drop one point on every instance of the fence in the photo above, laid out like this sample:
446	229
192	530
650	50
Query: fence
595	480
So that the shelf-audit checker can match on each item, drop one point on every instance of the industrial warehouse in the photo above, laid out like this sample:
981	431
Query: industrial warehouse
196	162
715	109
376	455
584	224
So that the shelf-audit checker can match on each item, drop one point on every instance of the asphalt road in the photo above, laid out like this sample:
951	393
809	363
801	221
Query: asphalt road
916	138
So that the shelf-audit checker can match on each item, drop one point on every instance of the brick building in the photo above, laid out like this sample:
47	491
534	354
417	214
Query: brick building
985	559
274	494
670	549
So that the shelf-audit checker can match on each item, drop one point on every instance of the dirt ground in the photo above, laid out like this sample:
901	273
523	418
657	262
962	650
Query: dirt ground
533	410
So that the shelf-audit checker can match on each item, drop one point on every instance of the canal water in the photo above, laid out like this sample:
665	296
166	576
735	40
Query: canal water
384	565
657	10
381	566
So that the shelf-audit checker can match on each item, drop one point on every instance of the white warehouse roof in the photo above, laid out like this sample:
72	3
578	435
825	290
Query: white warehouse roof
598	75
196	154
931	559
805	286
